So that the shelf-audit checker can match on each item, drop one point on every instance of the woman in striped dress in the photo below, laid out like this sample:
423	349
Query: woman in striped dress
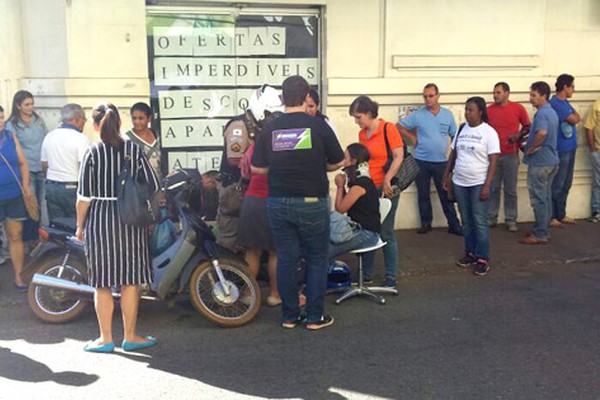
117	254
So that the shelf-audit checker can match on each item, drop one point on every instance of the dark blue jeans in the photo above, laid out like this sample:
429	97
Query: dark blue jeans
60	198
390	250
562	183
300	227
539	180
436	171
474	217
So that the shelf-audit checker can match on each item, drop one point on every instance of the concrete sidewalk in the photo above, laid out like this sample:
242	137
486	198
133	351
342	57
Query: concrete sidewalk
437	251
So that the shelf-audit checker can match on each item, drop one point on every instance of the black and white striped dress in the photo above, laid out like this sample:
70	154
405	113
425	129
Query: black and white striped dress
117	254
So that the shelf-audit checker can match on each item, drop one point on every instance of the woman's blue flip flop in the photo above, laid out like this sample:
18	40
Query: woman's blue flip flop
103	348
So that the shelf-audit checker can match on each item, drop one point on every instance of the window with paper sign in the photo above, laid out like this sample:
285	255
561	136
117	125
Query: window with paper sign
203	66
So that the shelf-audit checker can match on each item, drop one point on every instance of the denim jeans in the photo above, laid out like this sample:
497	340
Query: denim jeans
390	250
562	183
60	198
361	239
595	161
539	180
436	171
300	227
474	216
507	174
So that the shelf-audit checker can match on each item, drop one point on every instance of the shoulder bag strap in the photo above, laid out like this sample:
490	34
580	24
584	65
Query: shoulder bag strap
460	128
387	143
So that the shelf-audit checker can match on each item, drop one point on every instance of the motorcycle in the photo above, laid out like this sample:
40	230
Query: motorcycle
218	282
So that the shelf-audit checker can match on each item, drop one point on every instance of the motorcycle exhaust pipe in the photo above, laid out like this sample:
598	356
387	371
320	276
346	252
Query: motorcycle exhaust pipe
58	283
63	284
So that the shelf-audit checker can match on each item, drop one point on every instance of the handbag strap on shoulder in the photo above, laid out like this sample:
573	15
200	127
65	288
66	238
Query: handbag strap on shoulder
387	142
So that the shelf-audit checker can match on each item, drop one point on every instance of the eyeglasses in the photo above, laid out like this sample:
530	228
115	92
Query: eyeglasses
429	96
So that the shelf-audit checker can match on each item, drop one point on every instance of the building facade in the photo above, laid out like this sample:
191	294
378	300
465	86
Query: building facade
197	61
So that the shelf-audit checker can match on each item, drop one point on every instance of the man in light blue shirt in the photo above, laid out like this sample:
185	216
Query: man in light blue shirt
541	157
434	125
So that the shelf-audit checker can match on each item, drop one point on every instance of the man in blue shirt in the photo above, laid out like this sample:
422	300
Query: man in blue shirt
434	125
542	158
566	146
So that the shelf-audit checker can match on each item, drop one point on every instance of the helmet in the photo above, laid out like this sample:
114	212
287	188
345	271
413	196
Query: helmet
265	98
338	275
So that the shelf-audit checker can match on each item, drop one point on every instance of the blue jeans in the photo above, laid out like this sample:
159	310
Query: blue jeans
361	239
539	180
390	250
60	198
300	227
562	183
474	217
595	161
507	174
436	171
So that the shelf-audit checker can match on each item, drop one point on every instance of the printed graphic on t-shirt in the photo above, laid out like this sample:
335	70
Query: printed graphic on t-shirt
291	139
467	142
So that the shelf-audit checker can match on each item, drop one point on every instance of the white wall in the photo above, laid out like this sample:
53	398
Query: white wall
86	51
11	61
465	47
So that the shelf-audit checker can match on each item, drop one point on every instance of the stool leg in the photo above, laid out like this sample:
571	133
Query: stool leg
360	289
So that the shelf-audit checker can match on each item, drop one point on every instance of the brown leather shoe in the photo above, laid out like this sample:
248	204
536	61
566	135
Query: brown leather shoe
554	223
568	220
532	240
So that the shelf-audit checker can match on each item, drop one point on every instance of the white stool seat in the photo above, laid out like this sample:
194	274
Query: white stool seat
377	245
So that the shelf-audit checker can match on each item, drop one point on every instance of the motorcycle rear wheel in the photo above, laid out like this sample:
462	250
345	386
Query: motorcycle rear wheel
237	308
58	306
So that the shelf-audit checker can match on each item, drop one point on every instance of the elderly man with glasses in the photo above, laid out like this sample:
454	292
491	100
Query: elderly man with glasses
434	125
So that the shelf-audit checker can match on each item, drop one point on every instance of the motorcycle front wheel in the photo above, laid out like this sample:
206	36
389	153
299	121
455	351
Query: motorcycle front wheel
53	305
229	303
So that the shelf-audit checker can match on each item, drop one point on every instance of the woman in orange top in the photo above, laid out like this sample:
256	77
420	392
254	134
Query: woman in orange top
372	134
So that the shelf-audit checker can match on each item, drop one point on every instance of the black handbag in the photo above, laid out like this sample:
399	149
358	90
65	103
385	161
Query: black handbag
138	205
409	169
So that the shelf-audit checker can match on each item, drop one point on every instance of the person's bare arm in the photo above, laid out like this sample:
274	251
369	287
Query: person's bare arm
540	136
23	167
335	167
259	170
485	191
398	154
589	135
574	118
407	133
81	208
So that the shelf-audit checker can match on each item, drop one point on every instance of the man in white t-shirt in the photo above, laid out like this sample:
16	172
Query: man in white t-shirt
62	152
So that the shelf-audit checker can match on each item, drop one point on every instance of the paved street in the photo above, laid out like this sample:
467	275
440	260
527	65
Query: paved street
529	330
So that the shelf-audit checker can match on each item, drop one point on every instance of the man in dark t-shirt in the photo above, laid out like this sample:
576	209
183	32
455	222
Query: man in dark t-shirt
297	150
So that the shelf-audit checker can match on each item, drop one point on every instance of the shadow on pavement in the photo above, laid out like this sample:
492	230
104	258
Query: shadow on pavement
27	370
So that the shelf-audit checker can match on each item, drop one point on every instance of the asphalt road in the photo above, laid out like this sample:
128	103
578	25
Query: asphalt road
528	332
